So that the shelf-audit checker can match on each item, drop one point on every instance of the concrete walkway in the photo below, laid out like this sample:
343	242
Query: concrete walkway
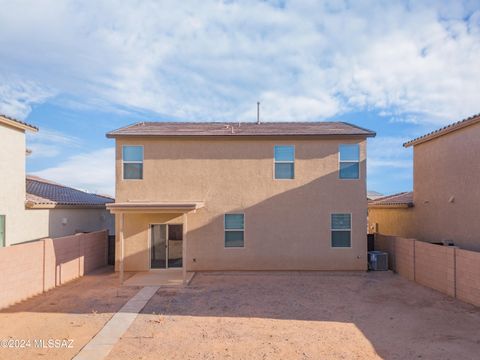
99	347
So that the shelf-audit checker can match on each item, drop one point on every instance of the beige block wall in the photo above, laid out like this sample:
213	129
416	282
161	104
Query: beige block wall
400	254
32	268
287	222
448	167
468	276
435	267
450	270
404	257
392	221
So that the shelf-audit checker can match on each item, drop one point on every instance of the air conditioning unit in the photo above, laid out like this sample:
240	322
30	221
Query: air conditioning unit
377	261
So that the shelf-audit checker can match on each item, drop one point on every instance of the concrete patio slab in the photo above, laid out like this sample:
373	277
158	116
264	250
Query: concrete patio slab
167	277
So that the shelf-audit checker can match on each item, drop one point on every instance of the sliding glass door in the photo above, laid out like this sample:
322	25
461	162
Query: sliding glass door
166	247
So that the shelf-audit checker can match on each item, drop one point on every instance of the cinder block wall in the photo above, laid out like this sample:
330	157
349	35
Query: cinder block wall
435	267
468	276
31	268
450	270
405	257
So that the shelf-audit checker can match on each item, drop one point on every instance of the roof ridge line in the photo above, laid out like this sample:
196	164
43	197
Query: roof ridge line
63	186
358	127
440	130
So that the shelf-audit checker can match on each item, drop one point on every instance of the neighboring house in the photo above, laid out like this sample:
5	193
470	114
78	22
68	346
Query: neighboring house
62	210
241	196
33	208
392	215
446	192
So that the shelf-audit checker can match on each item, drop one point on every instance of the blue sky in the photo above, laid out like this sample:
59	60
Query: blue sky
80	69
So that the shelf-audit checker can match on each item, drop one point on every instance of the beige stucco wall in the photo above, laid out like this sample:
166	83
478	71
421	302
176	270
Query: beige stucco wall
392	221
12	182
448	167
287	222
48	222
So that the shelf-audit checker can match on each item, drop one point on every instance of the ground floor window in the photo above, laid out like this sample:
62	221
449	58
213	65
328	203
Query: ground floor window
234	226
341	230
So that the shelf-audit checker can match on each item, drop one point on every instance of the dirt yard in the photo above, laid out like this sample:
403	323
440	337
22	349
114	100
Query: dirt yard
302	316
75	311
292	315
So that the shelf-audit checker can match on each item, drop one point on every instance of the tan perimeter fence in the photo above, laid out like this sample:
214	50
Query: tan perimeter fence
31	268
450	270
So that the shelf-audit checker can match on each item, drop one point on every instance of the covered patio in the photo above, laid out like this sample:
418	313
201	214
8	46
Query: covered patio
155	276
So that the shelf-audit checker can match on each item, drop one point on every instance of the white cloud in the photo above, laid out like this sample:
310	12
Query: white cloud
389	164
305	60
388	153
91	171
18	95
50	143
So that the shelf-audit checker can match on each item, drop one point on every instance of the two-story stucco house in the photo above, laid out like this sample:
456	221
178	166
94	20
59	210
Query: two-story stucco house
241	196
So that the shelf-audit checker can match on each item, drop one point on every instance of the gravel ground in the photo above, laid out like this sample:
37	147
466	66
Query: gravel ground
276	315
75	311
302	315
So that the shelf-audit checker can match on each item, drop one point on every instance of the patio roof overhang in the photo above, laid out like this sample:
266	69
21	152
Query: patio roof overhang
177	207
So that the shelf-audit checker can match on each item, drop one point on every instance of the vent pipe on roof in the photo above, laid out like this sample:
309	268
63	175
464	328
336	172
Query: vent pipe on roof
258	112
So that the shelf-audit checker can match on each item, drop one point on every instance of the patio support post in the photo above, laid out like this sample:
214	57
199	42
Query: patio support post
184	249
122	247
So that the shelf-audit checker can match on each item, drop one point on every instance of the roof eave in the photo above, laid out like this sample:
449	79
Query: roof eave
115	135
33	205
17	124
444	131
155	207
390	206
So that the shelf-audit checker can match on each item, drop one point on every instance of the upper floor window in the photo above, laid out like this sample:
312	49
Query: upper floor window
234	230
341	229
132	157
349	165
284	161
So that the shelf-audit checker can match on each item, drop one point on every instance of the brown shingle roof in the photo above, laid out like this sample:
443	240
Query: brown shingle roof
45	192
17	123
444	130
403	199
242	129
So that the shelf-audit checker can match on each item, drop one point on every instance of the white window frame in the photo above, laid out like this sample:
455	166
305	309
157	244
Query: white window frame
331	229
225	230
133	162
349	161
284	162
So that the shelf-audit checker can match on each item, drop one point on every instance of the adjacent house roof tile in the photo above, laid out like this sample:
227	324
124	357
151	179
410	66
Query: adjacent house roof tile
403	199
444	130
241	129
45	192
17	123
